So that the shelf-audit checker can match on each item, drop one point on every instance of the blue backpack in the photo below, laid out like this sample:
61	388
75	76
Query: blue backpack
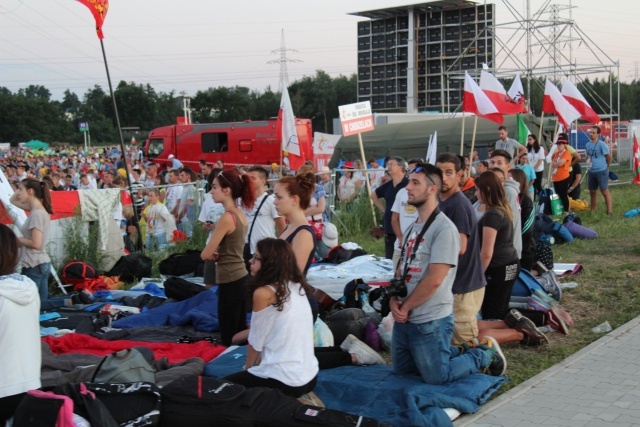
526	284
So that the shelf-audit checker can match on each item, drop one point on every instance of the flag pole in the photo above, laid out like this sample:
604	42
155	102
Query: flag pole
473	138
366	175
540	132
124	157
462	135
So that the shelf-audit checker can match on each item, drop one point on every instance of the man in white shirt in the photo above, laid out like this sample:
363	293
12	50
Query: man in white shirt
376	174
402	216
263	219
173	192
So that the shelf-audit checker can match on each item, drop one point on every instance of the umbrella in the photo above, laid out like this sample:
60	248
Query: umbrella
36	144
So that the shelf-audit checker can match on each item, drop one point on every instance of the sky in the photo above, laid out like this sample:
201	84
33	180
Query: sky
191	45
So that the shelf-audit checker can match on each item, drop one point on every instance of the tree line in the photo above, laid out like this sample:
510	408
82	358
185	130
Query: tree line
30	113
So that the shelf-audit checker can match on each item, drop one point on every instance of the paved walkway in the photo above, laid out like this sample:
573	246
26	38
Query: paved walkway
597	386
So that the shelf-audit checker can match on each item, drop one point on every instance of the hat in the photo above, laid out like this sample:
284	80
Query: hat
324	169
274	165
329	234
137	168
171	156
562	141
347	165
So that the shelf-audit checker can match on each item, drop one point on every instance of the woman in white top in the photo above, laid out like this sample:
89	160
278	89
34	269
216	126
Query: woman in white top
21	356
280	351
535	154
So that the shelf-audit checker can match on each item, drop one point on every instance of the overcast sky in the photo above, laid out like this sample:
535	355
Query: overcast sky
189	45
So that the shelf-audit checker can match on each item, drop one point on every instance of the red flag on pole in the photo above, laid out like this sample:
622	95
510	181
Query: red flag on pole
636	159
575	98
99	10
475	101
496	93
554	103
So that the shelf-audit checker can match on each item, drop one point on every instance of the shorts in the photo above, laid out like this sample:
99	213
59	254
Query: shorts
598	180
465	315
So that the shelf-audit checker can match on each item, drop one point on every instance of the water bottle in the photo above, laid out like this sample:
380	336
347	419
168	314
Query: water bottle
632	213
548	239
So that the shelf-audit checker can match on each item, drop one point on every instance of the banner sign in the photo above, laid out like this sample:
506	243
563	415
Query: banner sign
356	118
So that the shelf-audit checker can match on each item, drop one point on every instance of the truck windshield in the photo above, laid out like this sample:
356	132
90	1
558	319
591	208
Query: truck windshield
156	145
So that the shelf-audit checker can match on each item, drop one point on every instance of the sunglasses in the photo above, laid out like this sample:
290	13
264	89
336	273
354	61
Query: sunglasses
421	169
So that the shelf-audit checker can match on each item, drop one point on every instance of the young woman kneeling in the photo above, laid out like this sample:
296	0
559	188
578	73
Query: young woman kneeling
280	351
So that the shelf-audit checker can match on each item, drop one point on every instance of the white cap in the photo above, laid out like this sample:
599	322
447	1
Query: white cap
329	234
171	156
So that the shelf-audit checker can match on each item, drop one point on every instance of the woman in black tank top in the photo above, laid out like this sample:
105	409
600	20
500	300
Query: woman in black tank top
292	197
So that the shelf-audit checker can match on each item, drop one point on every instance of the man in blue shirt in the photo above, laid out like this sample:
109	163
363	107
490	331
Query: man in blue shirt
599	158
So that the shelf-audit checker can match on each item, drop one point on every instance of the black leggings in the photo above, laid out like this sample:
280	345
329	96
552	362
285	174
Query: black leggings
562	190
537	185
232	308
8	406
389	245
497	293
332	357
247	379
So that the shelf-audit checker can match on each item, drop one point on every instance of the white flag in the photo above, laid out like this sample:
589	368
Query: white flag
289	133
433	149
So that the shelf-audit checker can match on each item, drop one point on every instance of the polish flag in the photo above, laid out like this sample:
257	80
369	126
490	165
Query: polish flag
475	101
516	91
555	103
496	93
575	98
286	127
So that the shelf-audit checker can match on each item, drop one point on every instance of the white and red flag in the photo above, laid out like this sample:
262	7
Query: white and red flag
555	103
477	102
499	97
286	127
636	160
575	98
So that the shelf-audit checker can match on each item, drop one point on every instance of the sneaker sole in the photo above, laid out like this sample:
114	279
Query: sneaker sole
532	326
496	347
363	348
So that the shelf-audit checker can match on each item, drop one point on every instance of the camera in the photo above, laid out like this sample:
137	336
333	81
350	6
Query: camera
396	287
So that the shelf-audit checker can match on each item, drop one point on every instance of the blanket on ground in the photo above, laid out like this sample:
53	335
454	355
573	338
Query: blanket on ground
375	391
58	369
199	311
85	344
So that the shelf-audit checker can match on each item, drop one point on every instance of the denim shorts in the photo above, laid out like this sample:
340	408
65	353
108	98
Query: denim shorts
598	180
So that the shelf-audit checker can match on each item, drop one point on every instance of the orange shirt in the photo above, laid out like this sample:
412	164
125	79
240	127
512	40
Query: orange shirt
562	172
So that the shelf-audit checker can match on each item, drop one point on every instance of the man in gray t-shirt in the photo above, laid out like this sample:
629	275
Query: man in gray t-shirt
421	343
511	146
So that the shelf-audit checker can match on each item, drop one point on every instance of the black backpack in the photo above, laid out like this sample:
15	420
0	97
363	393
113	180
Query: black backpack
182	263
76	272
338	254
131	268
180	289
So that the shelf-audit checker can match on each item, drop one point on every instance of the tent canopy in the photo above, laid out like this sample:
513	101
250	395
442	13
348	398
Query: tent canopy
36	144
409	140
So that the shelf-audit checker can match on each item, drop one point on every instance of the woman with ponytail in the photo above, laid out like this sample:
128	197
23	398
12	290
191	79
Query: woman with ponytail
33	196
226	246
293	197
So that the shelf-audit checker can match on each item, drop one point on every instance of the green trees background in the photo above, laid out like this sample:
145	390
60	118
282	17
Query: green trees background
31	113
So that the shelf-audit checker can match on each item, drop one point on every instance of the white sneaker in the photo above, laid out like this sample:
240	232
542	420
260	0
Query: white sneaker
365	355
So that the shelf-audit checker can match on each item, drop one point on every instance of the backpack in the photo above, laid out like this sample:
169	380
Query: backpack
180	289
338	254
131	404
131	268
44	409
183	263
354	292
76	272
526	284
125	366
544	201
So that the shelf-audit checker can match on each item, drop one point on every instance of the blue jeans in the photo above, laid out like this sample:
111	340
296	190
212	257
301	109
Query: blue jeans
425	349
156	242
40	275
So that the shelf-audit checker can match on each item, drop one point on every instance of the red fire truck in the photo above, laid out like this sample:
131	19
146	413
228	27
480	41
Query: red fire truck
239	143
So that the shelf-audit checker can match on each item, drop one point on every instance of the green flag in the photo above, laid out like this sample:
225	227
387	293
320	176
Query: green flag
523	131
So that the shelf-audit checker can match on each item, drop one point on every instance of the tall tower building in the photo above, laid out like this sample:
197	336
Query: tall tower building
413	58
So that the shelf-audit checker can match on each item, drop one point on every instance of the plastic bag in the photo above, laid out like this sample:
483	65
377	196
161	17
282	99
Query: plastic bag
322	335
385	329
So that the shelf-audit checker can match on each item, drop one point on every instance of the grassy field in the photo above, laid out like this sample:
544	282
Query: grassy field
609	286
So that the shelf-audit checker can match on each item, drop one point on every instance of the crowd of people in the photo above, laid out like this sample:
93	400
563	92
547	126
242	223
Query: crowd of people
458	233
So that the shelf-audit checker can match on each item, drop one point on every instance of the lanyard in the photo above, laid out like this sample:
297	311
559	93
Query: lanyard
425	227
